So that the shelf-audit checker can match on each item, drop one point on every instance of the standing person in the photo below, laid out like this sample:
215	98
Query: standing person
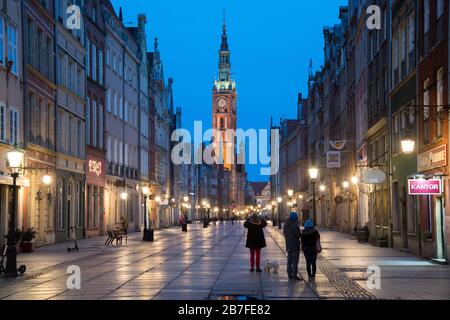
255	240
292	234
310	236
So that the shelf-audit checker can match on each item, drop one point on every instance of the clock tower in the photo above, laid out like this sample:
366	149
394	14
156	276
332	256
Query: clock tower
224	107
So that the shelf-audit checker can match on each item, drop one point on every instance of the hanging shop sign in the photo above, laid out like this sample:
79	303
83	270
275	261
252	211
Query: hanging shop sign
373	176
422	187
432	159
338	144
333	159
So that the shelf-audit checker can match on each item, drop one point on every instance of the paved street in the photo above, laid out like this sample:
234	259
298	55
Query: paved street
212	263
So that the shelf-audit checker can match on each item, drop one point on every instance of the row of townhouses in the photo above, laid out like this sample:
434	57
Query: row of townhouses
88	105
376	119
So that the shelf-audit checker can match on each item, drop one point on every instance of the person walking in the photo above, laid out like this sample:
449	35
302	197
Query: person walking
292	234
310	239
255	240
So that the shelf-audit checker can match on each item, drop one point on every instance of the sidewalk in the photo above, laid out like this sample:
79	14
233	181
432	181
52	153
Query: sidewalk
212	263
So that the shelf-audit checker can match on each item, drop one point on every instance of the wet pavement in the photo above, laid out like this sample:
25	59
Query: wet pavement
212	263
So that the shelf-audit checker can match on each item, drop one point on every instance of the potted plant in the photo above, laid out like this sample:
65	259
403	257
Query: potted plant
26	240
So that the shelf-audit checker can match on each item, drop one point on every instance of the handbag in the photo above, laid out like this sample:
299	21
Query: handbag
318	246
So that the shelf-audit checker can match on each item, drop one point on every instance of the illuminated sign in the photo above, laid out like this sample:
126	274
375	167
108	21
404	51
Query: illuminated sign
95	167
422	187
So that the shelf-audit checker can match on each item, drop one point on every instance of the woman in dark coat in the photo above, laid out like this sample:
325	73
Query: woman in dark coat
310	236
255	240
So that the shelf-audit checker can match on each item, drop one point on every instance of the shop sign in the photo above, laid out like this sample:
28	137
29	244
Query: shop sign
373	176
432	159
333	159
95	167
422	187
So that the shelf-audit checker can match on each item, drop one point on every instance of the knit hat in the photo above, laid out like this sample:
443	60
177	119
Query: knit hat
309	223
293	216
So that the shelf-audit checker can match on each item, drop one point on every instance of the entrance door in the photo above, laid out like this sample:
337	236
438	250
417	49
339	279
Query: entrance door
68	219
439	218
404	220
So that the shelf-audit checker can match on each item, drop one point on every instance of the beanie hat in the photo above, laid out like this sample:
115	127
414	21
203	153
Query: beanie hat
293	216
309	223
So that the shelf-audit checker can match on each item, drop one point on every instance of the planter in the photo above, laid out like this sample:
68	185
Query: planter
362	235
26	247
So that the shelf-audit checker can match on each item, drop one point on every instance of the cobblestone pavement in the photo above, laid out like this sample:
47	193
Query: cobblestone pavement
212	263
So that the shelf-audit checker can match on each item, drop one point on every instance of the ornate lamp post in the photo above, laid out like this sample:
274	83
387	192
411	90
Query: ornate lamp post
279	200
290	193
15	158
313	173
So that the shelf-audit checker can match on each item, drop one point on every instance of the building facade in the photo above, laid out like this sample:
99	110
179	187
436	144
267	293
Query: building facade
95	219
70	56
12	112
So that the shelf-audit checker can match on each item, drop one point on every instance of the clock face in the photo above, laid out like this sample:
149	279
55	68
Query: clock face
222	103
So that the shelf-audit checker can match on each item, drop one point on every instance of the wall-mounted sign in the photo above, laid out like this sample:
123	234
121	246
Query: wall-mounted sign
422	187
95	168
333	159
338	144
373	176
432	159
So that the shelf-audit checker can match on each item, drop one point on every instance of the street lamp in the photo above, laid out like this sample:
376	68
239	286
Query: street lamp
15	157
322	188
345	184
407	146
313	173
279	200
354	180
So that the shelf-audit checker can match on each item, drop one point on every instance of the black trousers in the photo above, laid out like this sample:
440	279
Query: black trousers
292	263
310	257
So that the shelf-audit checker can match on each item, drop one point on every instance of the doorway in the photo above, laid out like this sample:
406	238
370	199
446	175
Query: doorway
439	218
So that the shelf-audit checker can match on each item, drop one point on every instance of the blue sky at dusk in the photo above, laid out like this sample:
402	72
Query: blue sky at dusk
270	42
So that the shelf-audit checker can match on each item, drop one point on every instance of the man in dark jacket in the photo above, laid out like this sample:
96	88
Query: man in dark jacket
292	235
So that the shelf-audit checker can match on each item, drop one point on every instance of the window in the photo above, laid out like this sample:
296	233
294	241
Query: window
109	151
116	151
70	75
120	152
108	57
108	100
94	14
440	102
80	151
13	126
100	67
100	126
427	13
121	108
2	41
62	71
12	47
440	8
115	105
94	62
127	160
2	123
426	111
94	123
126	115
411	32
80	87
88	58
114	62
70	135
88	120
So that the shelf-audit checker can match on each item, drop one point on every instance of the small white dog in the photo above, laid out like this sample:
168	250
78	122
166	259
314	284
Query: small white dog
271	265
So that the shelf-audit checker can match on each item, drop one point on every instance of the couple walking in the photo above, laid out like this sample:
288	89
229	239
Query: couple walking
310	244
